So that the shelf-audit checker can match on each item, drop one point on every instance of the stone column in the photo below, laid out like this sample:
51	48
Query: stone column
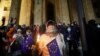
1	11
25	12
38	12
88	10
57	11
64	12
73	10
43	11
15	9
32	13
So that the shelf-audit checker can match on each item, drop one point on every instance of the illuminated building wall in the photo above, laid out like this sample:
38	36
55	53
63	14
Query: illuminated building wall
5	10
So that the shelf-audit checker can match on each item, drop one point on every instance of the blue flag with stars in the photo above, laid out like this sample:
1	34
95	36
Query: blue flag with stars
53	48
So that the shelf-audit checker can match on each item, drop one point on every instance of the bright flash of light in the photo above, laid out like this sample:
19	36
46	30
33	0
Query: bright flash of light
38	37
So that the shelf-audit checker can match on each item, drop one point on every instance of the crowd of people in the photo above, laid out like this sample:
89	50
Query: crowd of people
49	39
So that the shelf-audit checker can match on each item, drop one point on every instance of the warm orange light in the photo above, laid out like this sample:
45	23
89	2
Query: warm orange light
38	37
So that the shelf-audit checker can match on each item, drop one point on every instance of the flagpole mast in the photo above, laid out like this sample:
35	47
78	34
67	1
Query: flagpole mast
82	26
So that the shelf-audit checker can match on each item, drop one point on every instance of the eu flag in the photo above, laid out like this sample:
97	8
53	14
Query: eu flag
53	48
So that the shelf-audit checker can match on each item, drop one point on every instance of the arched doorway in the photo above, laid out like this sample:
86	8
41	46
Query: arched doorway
50	10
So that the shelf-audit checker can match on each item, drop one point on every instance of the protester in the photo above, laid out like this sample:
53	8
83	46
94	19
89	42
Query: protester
3	21
51	43
27	43
48	39
10	33
3	40
16	43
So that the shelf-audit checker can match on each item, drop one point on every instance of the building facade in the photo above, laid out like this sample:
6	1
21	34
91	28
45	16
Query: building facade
37	12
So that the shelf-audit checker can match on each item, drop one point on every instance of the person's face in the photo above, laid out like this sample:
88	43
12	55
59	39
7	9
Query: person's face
51	28
72	24
23	26
2	31
19	32
37	28
69	29
28	32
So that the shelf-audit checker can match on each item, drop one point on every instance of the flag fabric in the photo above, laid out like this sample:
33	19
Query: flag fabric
53	48
27	43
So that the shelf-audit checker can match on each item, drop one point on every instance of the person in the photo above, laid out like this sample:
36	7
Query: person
16	43
36	35
92	38
42	28
27	43
10	33
51	43
3	41
24	28
73	39
3	21
62	29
